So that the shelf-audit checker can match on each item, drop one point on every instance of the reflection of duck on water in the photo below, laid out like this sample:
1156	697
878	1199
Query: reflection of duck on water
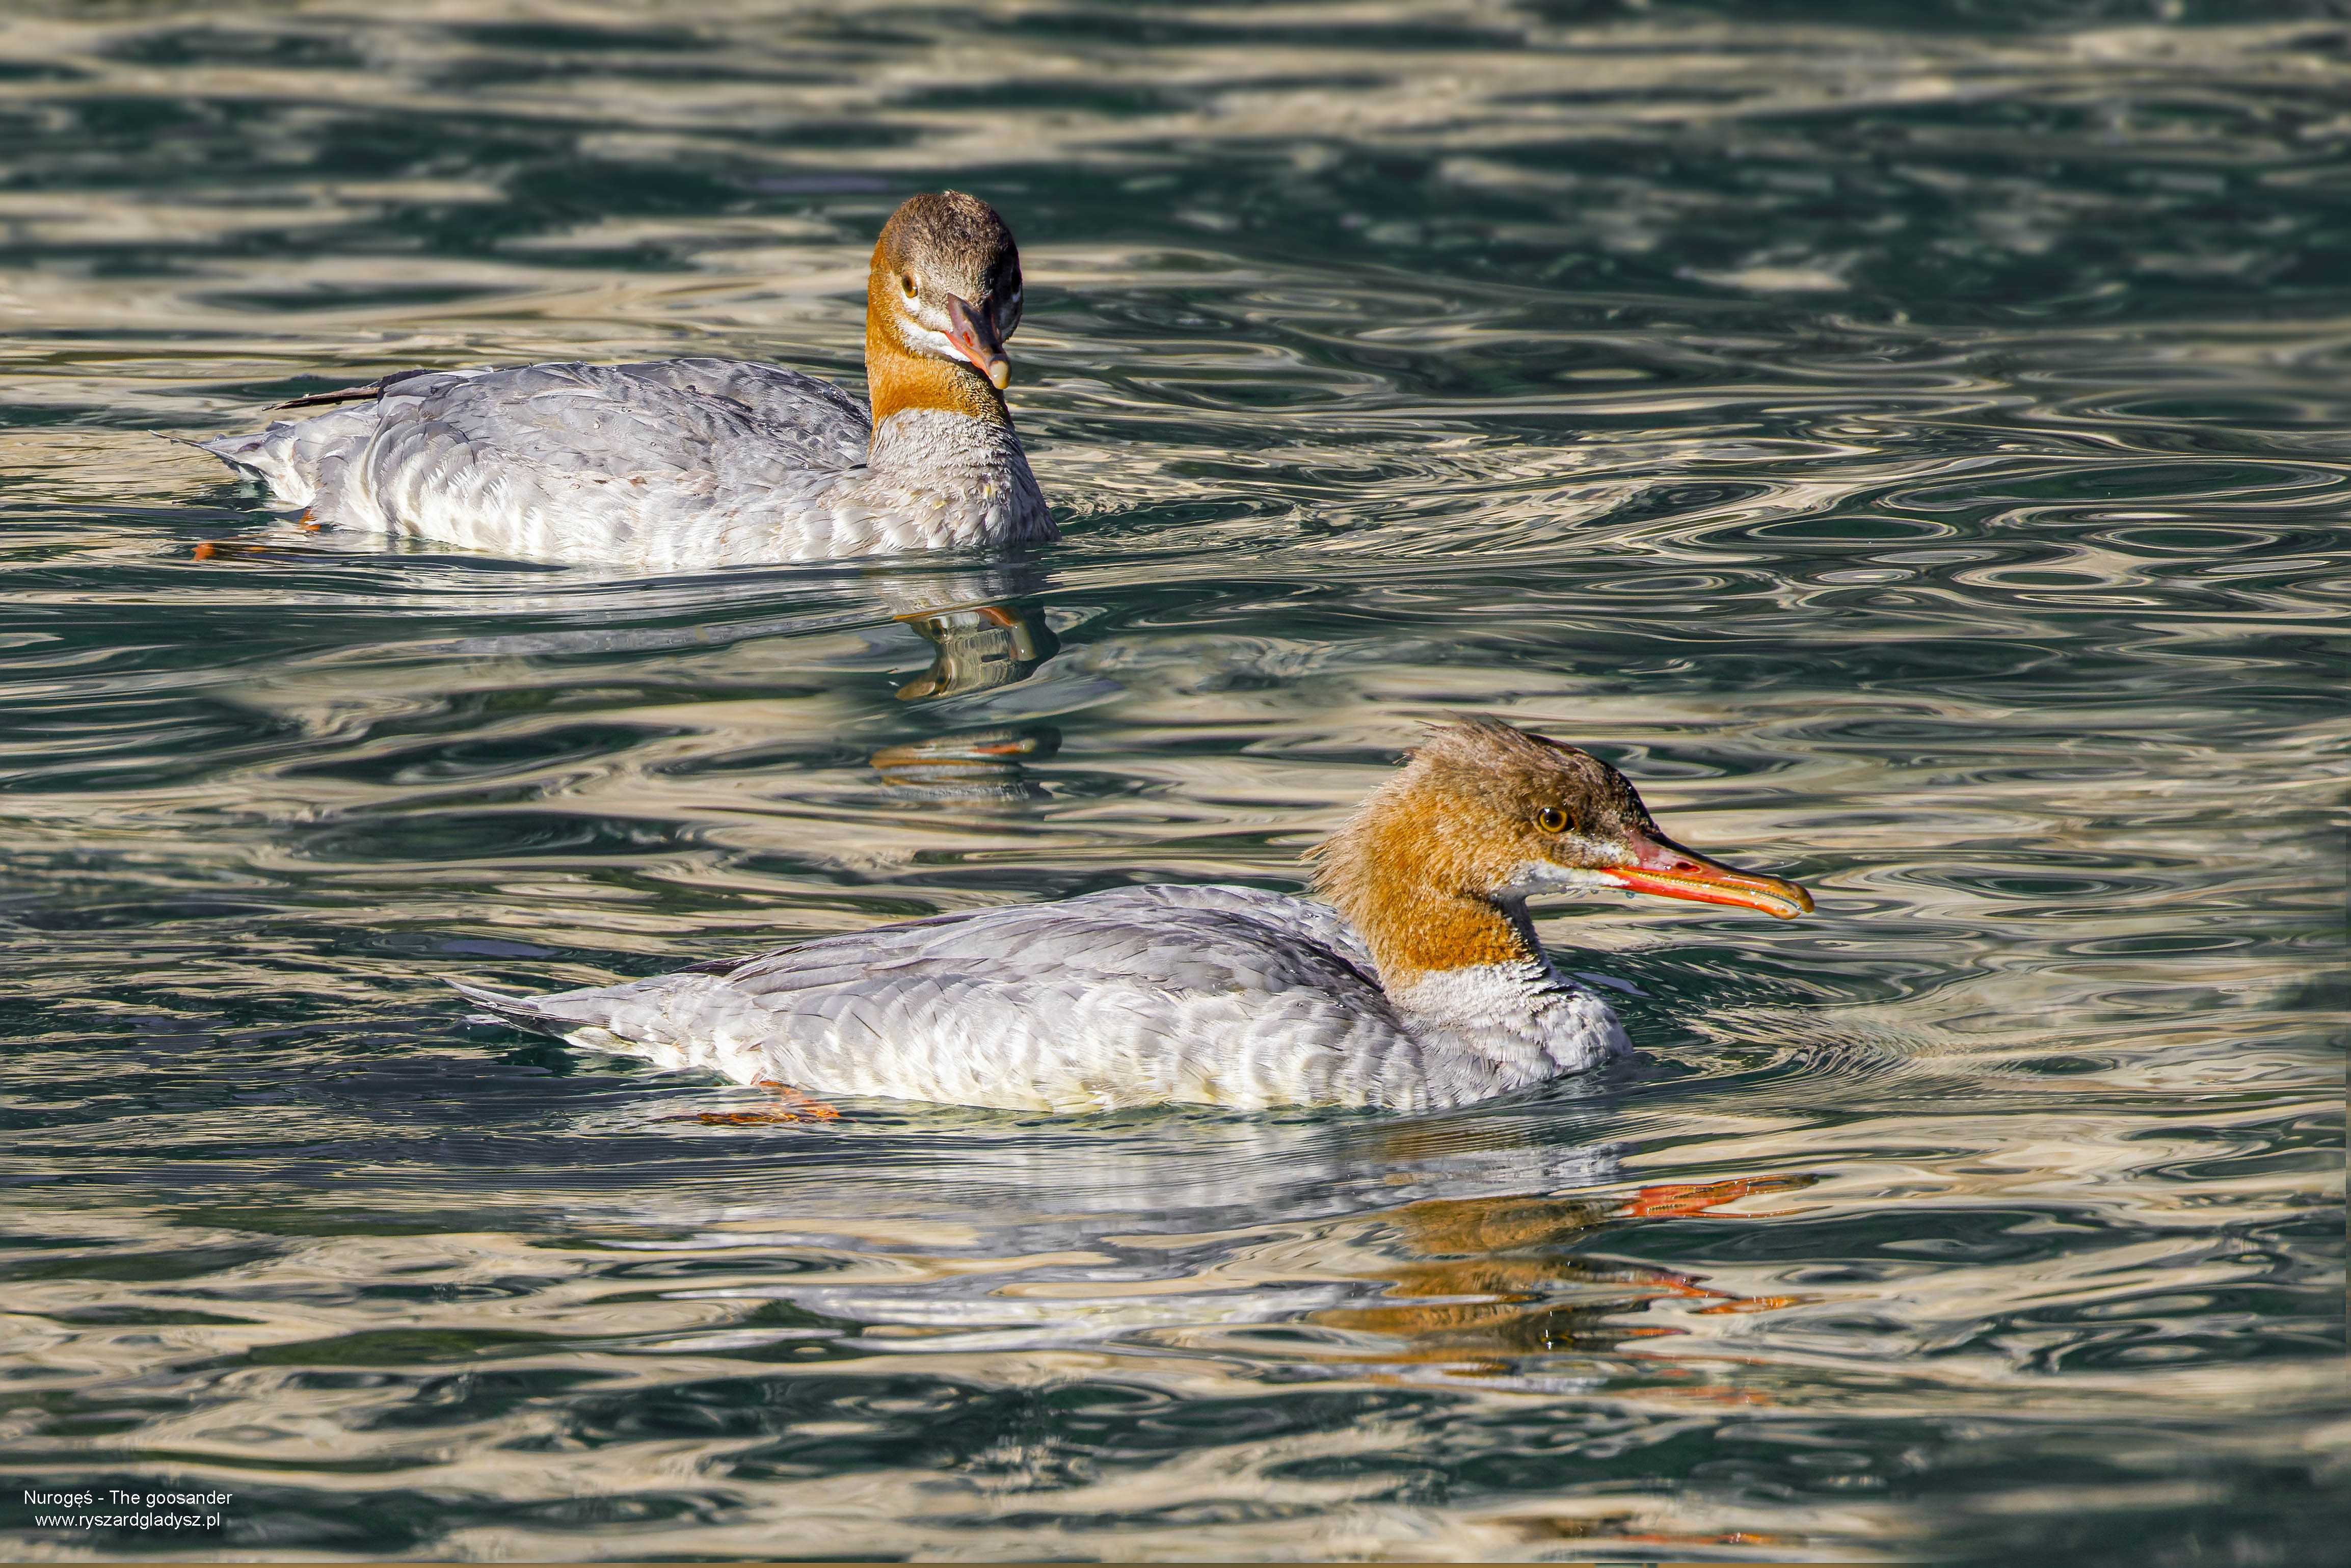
976	766
1481	1252
979	647
1424	987
976	648
1383	1250
1482	1276
677	465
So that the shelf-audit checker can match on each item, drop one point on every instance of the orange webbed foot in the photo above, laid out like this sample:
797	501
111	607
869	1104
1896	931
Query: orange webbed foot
790	1105
253	549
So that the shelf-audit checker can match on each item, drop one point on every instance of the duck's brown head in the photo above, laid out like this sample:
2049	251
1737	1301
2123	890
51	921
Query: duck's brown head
1433	862
942	295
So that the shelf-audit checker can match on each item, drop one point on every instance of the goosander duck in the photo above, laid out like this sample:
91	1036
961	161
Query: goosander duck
1419	985
681	465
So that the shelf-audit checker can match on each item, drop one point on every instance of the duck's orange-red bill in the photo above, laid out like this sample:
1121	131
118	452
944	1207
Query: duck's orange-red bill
1662	866
974	335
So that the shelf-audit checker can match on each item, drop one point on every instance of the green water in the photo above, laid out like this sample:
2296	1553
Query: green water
1910	440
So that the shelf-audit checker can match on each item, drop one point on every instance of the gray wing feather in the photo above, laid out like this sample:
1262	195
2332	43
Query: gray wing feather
827	425
1135	995
1153	935
569	460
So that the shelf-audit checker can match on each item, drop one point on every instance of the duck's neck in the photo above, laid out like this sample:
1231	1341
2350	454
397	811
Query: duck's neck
899	380
1418	932
1459	963
1466	976
1393	872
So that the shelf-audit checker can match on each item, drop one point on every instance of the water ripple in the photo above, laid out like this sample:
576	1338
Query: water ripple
1912	452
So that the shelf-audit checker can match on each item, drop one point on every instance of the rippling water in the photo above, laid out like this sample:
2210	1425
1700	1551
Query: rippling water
1917	457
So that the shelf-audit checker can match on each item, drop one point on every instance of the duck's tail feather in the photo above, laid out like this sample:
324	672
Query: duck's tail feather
576	1018
303	462
269	456
523	1012
243	453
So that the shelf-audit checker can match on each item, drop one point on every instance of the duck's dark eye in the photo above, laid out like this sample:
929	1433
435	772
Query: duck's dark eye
1552	819
906	282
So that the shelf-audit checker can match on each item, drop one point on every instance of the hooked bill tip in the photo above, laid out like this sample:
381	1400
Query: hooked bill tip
1000	372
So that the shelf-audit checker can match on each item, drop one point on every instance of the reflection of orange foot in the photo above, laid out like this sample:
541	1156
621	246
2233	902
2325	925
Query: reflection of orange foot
1696	1197
790	1105
1664	1281
1755	1304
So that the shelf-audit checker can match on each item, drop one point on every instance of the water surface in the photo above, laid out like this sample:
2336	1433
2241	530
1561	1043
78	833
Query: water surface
1915	453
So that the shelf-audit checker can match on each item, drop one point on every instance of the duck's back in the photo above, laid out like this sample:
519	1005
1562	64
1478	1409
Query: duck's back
1135	997
665	463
